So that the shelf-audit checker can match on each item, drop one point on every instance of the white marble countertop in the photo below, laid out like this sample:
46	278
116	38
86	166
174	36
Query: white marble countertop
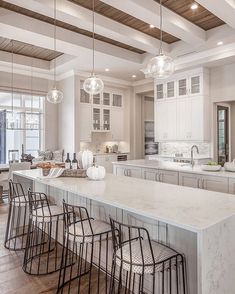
188	208
174	166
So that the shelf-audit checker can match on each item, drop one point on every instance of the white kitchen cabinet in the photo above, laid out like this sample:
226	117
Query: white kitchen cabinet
189	180
101	119
166	90
159	91
206	182
215	183
184	119
168	176
85	119
163	176
117	124
232	185
182	86
117	100
128	171
191	85
165	120
170	89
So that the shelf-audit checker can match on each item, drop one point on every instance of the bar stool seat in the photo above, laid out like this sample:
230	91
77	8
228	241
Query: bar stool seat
20	201
83	234
134	258
47	214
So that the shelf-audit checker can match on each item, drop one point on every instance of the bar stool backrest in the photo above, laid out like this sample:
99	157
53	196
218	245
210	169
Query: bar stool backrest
17	166
124	234
38	202
16	191
77	215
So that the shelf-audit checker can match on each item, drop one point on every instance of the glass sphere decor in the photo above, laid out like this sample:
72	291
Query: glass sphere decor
160	67
93	85
54	96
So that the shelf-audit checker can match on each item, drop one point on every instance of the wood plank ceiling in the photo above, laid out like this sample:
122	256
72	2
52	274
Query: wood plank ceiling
66	26
126	19
200	16
28	50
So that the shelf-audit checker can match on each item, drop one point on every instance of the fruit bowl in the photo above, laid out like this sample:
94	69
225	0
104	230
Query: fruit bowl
209	167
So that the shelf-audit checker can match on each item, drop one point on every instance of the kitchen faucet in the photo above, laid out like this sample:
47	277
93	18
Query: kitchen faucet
192	160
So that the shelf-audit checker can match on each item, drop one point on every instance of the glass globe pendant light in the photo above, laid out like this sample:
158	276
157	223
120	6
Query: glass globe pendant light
54	96
160	66
93	84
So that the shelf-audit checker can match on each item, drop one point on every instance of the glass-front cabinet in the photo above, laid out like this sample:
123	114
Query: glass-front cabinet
106	119
160	91
195	85
96	119
101	119
96	99
182	87
117	100
84	96
106	99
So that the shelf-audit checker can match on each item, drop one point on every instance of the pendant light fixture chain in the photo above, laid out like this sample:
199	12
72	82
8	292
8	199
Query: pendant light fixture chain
93	36
160	48
12	77
55	42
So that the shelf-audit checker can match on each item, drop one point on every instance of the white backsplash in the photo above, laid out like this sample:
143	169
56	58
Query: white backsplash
171	148
99	141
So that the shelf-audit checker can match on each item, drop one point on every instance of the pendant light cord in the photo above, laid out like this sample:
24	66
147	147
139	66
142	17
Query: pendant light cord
31	87
55	43
93	36
12	77
160	48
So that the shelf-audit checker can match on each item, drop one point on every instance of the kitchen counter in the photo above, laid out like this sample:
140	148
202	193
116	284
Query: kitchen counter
180	167
198	223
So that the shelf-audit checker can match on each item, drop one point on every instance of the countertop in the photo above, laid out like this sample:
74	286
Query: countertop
184	207
174	166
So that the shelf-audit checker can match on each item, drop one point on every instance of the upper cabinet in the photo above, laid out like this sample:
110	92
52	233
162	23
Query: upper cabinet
182	107
102	112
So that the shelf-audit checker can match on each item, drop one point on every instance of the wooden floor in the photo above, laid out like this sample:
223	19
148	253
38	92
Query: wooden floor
12	278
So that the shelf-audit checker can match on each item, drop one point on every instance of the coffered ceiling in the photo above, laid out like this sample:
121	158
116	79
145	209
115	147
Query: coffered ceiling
28	50
124	39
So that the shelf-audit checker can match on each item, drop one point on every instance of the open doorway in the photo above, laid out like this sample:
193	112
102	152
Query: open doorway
222	134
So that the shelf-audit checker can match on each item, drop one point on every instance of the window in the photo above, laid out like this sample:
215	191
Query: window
26	128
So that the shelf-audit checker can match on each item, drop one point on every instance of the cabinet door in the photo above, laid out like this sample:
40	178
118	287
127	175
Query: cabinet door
117	100
195	85
106	99
106	119
170	89
171	114
119	170
117	124
134	172
182	87
215	183
197	118
184	119
85	122
189	180
84	96
170	177
96	99
150	174
159	91
232	186
96	113
160	121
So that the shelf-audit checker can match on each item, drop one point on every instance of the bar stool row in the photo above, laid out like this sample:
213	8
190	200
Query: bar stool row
80	251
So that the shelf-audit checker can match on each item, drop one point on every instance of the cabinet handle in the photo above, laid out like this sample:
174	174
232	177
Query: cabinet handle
198	183
203	186
160	177
156	177
129	173
125	172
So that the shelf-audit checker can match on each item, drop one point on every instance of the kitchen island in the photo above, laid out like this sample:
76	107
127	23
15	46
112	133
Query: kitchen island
198	223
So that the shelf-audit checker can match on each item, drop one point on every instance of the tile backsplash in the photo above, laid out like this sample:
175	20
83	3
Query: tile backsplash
99	141
171	148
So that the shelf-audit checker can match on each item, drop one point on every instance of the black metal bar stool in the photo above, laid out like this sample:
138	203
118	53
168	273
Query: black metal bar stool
85	262
43	250
141	265
18	218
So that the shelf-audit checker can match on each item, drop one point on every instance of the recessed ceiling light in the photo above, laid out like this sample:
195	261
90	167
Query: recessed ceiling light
194	6
133	76
220	43
151	26
107	69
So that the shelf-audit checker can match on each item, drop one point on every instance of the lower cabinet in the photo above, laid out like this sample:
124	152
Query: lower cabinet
231	186
211	183
128	171
164	176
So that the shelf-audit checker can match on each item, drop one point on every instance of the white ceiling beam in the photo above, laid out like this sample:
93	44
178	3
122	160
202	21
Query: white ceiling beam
81	17
149	12
32	31
224	9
